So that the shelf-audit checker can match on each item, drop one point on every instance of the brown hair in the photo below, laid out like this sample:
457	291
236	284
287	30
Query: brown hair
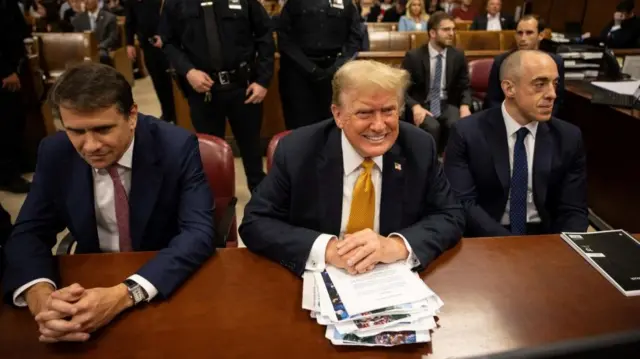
537	18
436	18
91	86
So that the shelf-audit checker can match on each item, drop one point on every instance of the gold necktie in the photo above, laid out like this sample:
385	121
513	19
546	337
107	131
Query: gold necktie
363	202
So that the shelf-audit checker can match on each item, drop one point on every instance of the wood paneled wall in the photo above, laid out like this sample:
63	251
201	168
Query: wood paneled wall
593	14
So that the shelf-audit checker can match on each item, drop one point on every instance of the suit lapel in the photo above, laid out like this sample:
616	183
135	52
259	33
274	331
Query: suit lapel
542	164
449	71
330	177
496	134
81	206
393	185
146	180
426	63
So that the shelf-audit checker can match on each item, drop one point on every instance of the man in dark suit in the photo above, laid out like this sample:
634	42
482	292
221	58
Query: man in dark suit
439	94
103	24
528	36
493	20
516	169
624	30
119	181
5	231
365	177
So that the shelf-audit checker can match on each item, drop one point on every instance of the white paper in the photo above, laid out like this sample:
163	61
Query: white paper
621	87
308	291
632	66
386	339
427	323
385	286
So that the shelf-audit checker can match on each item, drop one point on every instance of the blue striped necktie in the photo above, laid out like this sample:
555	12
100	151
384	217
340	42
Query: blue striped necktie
434	92
519	185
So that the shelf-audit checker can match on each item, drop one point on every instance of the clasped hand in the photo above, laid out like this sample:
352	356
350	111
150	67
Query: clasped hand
72	313
361	251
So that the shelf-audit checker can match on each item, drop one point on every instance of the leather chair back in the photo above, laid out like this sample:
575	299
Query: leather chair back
389	41
219	167
477	40
59	50
418	39
271	149
479	71
463	25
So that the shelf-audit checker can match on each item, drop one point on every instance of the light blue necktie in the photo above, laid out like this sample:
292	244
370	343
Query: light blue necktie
92	22
434	92
519	185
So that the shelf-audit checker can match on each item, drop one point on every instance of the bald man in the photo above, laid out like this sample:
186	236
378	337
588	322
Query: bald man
516	169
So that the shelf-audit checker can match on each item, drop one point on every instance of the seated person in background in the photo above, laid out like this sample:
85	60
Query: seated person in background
448	6
119	181
368	10
493	20
395	13
516	169
464	12
103	24
624	30
439	94
415	18
76	7
384	6
528	36
357	190
114	7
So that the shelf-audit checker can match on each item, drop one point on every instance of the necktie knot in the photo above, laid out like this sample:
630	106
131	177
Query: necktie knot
367	165
522	133
113	172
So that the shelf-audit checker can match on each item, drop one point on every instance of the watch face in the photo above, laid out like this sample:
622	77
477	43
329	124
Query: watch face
138	294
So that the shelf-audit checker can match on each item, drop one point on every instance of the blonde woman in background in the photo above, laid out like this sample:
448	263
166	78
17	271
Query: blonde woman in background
416	17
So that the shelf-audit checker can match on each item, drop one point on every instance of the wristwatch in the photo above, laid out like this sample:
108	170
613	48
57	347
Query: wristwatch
136	292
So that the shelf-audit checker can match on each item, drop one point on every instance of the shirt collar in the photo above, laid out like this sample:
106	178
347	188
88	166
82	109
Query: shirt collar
351	159
434	53
95	13
126	161
513	126
496	16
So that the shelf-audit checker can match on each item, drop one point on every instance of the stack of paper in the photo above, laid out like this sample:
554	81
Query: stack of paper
388	306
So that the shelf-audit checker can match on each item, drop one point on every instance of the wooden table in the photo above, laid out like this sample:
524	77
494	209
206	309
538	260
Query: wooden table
499	294
610	137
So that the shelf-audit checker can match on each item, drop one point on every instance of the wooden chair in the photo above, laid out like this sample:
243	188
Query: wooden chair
477	40
418	39
389	41
508	40
381	26
463	25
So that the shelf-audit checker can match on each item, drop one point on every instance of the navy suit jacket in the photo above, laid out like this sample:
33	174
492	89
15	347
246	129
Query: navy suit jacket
495	96
480	22
477	166
301	197
171	208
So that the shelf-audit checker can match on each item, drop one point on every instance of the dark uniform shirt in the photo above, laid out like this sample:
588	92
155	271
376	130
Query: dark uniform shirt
143	17
316	28
13	31
244	32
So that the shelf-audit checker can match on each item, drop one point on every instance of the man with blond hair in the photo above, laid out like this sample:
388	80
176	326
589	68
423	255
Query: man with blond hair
356	190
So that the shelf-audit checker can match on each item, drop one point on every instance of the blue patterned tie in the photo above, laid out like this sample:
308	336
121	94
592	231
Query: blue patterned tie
519	185
434	92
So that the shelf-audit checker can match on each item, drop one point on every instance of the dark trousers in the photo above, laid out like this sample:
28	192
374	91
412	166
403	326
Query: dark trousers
439	127
157	65
245	120
12	121
304	101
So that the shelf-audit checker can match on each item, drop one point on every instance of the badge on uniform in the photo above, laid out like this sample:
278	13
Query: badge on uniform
235	5
336	4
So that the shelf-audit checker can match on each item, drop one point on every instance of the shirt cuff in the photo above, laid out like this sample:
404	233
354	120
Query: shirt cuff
151	290
18	297
316	262
615	28
411	260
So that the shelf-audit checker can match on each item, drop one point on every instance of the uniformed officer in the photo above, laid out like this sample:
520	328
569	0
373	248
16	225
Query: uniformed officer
314	39
13	31
224	49
142	19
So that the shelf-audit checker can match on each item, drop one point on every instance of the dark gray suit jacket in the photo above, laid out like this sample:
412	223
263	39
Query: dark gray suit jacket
106	28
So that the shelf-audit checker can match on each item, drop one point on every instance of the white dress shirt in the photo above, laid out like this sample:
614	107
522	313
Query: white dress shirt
493	22
107	225
529	145
93	17
352	162
448	7
433	58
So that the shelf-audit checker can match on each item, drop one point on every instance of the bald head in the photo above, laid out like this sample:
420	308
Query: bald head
528	79
513	66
